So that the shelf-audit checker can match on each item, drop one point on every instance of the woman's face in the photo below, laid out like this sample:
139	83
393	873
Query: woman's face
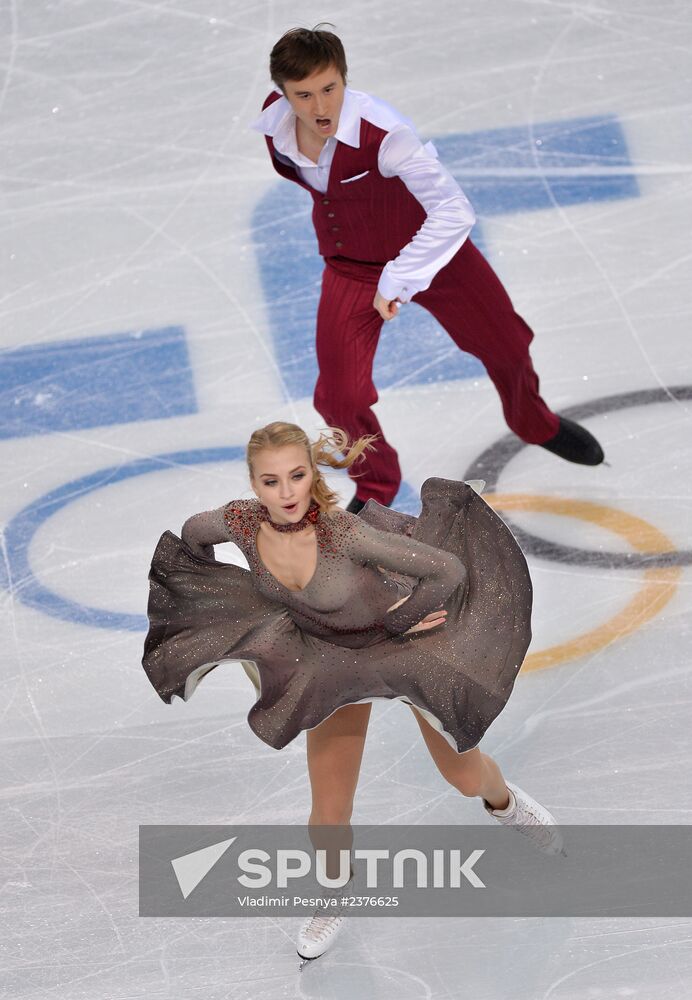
281	478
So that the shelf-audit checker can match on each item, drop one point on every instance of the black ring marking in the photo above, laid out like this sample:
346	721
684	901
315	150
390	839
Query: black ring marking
490	464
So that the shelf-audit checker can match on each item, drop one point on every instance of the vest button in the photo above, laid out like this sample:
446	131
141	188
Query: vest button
335	229
338	244
325	201
330	215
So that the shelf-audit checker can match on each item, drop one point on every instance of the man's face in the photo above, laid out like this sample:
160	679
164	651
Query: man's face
317	100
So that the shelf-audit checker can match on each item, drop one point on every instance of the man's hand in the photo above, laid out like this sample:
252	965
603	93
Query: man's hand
387	310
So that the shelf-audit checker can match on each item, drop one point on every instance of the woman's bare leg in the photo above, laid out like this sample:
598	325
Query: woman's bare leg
334	752
472	773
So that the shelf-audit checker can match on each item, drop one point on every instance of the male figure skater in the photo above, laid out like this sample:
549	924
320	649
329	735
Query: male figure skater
393	227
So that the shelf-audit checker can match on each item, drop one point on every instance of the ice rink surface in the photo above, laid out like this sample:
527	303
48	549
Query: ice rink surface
157	286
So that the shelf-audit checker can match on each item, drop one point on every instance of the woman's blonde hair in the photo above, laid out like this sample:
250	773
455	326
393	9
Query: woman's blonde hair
330	449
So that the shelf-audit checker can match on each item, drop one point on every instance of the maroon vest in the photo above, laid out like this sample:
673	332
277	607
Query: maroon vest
369	219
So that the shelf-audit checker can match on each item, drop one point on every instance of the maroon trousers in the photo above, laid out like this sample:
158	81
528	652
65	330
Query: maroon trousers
468	300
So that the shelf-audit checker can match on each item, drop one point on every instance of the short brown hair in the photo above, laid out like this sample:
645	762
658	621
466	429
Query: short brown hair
301	52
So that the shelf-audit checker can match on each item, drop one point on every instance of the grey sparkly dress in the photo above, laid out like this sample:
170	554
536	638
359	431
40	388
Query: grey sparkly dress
334	642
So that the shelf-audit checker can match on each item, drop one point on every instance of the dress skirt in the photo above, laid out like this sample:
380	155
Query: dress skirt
459	675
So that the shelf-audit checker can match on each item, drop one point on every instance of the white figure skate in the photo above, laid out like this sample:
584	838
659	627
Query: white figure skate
531	819
319	932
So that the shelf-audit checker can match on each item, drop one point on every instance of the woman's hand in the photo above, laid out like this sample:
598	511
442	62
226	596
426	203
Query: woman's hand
430	621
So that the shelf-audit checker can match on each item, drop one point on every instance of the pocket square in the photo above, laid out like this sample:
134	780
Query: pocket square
348	180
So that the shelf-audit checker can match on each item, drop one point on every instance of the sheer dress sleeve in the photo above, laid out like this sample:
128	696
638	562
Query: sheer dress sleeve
438	572
203	531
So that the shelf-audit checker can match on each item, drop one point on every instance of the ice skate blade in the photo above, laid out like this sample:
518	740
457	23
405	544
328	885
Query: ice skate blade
305	961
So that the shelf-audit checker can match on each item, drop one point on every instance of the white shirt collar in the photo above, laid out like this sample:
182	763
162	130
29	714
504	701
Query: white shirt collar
279	121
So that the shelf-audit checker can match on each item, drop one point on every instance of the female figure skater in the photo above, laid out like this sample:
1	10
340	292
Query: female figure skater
340	608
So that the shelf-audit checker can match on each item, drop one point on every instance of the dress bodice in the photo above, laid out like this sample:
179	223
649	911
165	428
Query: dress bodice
359	574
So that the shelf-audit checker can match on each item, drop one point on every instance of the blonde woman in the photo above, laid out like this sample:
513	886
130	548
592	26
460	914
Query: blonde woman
340	608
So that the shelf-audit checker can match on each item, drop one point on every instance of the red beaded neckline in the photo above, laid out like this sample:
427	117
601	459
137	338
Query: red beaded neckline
309	517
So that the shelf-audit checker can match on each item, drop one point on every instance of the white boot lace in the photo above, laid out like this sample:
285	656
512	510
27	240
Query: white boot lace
320	927
533	826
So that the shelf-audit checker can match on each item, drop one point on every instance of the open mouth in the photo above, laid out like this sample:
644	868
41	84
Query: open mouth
324	124
290	509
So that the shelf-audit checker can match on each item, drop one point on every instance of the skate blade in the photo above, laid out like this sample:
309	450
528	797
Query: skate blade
306	961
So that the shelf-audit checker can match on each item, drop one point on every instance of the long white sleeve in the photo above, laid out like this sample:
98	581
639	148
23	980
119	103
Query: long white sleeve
450	216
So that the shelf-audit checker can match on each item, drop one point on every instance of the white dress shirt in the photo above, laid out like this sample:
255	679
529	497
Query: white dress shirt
450	216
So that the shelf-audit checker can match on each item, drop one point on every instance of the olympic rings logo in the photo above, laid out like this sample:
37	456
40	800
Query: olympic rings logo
652	551
659	582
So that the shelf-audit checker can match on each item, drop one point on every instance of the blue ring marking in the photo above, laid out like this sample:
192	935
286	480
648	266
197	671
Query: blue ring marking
407	500
24	525
95	381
